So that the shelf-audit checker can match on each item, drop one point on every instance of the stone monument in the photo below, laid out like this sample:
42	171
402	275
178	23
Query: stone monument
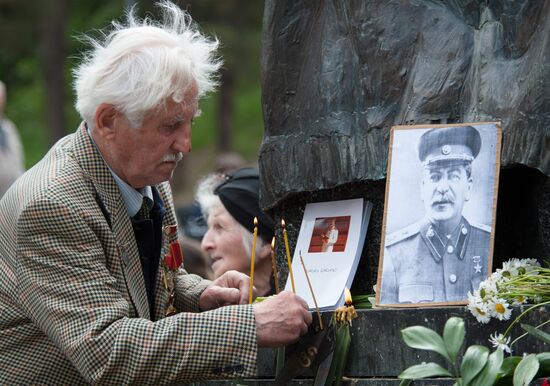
336	75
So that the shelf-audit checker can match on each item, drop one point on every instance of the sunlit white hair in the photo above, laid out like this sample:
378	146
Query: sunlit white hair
208	200
139	65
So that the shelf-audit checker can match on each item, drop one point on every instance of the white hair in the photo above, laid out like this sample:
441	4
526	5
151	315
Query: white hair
208	200
205	195
139	65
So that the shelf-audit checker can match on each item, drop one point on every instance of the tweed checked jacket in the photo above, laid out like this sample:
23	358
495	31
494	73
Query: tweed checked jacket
73	304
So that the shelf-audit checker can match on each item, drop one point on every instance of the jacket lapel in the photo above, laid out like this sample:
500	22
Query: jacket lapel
111	202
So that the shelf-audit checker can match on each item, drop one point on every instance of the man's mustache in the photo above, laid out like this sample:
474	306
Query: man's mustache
439	199
173	157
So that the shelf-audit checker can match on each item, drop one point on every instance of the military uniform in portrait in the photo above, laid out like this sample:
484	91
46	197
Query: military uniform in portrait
422	266
442	256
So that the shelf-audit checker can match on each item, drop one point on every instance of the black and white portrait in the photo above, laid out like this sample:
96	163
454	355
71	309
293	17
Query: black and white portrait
440	211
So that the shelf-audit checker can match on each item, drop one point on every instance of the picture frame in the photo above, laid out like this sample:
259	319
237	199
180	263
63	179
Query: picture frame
439	215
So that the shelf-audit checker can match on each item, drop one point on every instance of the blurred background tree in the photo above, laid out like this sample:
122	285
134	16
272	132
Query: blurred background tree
40	47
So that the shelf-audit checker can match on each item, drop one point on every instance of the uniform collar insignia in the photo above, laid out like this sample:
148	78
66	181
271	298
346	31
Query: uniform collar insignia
439	244
433	241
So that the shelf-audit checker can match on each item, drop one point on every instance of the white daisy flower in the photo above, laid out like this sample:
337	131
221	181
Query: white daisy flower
495	276
500	341
520	299
474	297
478	308
509	268
529	266
499	309
531	262
488	288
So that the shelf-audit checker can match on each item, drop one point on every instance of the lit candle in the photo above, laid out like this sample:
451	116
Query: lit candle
346	313
311	290
274	266
287	249
347	297
252	260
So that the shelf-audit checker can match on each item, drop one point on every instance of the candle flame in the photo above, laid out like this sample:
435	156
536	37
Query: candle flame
283	222
273	243
347	296
255	222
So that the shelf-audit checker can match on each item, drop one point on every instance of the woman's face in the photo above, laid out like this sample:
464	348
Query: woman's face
224	243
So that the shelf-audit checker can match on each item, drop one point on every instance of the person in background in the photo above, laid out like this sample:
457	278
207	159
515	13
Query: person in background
329	237
12	163
195	260
92	286
190	218
229	203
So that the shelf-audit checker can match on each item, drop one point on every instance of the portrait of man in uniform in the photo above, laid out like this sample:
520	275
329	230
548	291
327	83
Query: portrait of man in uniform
438	239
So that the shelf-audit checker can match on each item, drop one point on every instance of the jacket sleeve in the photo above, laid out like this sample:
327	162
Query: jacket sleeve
189	288
66	289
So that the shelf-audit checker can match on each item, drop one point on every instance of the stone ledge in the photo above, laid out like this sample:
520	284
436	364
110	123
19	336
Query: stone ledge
350	381
378	353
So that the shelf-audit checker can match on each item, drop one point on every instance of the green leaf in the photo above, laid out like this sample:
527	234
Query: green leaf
526	370
544	360
424	338
341	348
508	366
473	361
488	375
539	334
453	336
405	382
362	302
424	370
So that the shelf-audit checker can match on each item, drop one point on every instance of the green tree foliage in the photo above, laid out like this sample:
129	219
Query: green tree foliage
237	24
22	62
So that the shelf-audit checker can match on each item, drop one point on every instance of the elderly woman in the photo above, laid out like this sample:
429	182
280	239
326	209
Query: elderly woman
229	204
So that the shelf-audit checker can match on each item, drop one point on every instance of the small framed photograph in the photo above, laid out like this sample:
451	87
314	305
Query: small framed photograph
329	234
439	215
329	244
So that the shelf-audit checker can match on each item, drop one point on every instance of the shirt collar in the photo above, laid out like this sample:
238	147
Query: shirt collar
133	198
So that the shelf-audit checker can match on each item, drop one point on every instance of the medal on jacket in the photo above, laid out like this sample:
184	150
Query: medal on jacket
170	266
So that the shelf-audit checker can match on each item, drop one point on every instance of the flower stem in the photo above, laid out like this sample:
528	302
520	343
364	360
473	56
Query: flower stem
526	333
522	315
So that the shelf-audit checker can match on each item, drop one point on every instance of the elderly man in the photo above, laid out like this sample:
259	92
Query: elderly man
92	291
443	256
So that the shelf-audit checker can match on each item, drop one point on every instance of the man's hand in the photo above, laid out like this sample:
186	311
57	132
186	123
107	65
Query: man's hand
281	319
228	289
